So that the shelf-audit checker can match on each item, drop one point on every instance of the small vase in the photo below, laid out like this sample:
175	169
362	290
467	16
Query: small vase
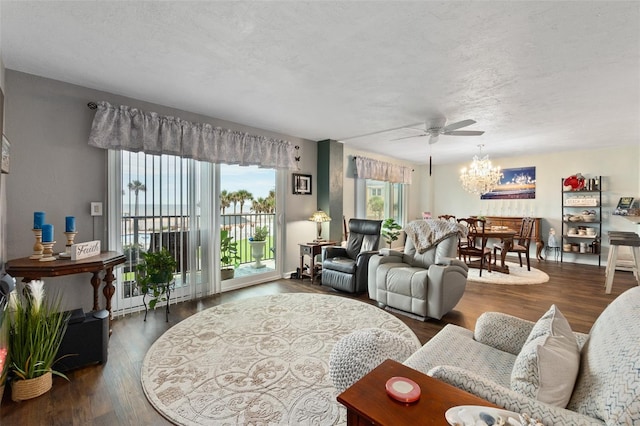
31	388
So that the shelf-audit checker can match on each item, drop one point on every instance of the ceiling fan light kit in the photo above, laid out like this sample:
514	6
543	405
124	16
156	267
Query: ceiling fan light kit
481	176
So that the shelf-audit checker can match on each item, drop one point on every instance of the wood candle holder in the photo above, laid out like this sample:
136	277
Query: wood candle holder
37	247
47	252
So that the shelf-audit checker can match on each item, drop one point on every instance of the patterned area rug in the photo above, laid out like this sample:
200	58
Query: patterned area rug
516	275
263	360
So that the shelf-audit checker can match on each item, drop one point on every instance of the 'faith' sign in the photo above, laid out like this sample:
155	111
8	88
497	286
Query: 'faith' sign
84	250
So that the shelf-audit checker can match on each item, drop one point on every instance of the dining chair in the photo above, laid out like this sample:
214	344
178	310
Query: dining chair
520	242
447	217
475	245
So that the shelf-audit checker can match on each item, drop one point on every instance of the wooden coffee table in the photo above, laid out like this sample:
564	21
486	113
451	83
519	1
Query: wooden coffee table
367	401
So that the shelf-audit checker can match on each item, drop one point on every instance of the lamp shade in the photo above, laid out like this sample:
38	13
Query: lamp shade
319	217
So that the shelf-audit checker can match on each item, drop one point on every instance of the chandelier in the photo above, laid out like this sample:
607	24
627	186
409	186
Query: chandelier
481	177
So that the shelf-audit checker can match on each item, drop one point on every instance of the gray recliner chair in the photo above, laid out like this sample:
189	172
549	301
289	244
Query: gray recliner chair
426	282
345	268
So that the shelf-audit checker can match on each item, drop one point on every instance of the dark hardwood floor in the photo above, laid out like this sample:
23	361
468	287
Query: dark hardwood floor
112	394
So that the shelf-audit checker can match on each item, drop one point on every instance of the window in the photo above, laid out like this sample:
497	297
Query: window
383	200
156	202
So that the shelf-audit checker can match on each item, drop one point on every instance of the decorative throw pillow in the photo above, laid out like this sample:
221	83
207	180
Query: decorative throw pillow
547	366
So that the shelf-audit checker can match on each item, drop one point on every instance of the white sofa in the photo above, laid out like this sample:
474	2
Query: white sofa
607	388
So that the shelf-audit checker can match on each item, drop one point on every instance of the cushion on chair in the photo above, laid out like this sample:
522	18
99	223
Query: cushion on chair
357	353
547	366
341	264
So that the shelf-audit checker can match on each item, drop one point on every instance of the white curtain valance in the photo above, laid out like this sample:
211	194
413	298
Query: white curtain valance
125	128
367	168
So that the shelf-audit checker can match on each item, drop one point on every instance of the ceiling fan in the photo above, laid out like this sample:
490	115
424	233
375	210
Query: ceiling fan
437	128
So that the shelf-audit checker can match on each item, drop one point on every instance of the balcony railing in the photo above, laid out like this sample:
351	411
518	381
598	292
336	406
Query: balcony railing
144	233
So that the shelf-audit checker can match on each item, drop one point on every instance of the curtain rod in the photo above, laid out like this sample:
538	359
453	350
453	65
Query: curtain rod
355	156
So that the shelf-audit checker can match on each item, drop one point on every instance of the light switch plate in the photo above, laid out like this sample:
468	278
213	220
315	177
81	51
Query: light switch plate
96	208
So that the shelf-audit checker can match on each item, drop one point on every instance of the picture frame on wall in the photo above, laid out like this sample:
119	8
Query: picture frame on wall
301	184
4	164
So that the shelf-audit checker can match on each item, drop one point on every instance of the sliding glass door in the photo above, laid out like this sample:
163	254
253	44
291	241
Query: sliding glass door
248	212
186	206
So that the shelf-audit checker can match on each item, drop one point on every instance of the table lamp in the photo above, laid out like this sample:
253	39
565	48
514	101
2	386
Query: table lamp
319	217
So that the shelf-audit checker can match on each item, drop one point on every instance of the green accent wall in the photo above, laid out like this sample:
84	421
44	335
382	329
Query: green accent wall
329	186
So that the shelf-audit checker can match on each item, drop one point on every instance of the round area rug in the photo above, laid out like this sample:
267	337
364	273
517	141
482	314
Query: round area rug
263	360
516	275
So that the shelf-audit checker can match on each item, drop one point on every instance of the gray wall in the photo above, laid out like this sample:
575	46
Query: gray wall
53	169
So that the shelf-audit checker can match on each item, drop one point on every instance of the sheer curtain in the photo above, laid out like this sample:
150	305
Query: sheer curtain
125	128
367	168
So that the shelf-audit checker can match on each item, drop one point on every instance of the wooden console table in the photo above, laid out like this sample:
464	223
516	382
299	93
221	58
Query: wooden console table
513	222
311	250
367	401
30	269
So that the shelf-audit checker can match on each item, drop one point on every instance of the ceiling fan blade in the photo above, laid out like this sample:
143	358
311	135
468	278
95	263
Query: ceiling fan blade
458	125
383	131
409	137
433	139
464	133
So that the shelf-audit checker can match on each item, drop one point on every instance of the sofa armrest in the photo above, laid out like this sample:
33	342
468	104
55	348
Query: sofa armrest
502	331
447	261
509	399
390	252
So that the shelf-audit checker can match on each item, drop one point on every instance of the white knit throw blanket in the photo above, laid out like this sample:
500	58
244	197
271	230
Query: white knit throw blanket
429	232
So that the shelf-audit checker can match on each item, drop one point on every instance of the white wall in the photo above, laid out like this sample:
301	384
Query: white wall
53	169
619	168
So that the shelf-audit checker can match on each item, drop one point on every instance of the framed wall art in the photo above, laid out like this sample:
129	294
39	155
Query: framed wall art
301	184
517	183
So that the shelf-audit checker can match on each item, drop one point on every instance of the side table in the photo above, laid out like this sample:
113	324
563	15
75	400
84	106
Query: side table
367	401
312	250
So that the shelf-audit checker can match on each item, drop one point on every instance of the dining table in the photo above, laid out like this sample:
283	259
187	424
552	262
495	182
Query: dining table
502	233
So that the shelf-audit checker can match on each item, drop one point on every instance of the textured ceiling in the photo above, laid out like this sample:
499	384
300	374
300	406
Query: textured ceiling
536	76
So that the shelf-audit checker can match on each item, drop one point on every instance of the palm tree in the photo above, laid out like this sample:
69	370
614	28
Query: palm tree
271	202
242	196
233	198
225	200
136	186
259	205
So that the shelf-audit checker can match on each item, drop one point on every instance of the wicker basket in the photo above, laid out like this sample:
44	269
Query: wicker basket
31	388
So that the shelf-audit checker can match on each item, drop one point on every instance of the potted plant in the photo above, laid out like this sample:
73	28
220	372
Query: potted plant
4	344
228	255
390	230
155	272
35	333
258	243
